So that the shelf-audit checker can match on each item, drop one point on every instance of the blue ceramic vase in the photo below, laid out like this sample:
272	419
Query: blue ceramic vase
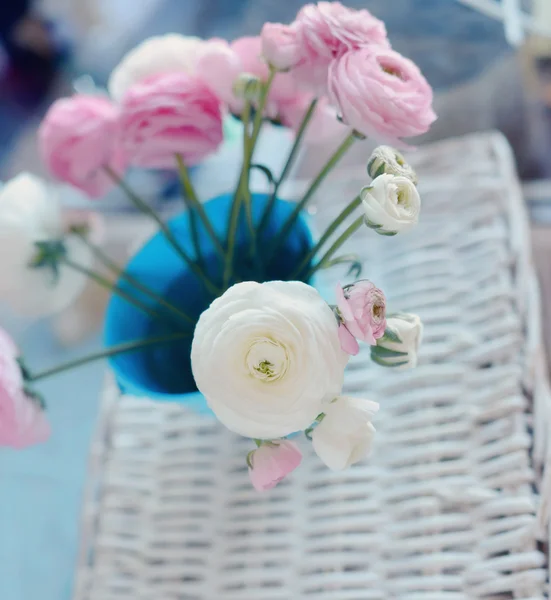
163	372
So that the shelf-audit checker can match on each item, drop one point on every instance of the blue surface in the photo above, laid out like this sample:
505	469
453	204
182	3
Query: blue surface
164	372
42	487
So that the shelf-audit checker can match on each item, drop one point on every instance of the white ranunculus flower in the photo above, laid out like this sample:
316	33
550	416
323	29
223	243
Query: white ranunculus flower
267	357
345	434
156	55
391	204
30	213
386	159
400	343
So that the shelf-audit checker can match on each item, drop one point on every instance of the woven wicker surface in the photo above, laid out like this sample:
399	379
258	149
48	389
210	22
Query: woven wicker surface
447	507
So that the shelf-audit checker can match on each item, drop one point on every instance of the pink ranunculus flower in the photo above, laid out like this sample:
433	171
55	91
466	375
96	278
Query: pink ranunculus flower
22	420
326	31
221	64
382	94
272	462
362	308
280	46
78	137
169	114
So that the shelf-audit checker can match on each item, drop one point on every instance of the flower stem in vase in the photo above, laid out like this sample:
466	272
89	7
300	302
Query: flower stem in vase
289	223
326	235
104	282
112	351
335	247
195	207
146	209
288	164
243	192
117	270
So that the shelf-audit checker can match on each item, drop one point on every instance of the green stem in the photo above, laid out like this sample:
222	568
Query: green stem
146	209
104	282
112	351
122	274
194	202
288	165
289	223
337	244
257	124
327	234
247	156
237	197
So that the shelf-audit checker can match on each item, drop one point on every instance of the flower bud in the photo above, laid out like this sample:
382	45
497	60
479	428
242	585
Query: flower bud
391	204
399	345
386	159
247	87
345	434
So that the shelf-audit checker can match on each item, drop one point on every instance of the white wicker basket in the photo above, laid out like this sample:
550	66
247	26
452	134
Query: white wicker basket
451	505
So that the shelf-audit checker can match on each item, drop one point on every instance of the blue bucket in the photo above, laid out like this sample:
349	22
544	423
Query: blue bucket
163	372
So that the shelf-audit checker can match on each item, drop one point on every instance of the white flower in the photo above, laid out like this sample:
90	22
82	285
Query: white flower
30	213
345	433
386	159
400	343
391	204
267	357
156	55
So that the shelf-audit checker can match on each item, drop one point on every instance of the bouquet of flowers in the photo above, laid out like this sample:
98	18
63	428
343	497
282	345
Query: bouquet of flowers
217	307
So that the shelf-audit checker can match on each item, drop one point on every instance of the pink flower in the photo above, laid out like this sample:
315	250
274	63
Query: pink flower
22	420
221	64
271	462
78	137
280	45
169	114
380	93
326	31
362	308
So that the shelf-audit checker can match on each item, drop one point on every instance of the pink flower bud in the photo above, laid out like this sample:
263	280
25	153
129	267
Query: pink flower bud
362	308
271	462
280	46
22	420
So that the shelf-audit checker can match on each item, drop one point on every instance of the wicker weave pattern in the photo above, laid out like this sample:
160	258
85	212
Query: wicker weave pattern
446	508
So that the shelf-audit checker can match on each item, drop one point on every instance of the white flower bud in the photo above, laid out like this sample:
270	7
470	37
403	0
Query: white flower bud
391	204
386	159
399	345
345	434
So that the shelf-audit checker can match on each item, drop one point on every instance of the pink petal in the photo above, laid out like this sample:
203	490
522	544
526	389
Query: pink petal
348	341
342	304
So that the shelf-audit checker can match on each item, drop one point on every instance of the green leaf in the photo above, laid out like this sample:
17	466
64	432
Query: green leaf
387	233
308	433
372	225
355	266
383	363
390	336
386	352
49	255
379	171
249	459
269	175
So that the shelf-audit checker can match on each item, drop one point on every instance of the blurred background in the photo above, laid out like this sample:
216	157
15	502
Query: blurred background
488	68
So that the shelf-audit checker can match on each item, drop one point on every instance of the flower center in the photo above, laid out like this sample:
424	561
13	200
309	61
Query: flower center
379	311
392	70
267	359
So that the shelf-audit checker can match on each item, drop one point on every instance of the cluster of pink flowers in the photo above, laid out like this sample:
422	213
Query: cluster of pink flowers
344	53
338	55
